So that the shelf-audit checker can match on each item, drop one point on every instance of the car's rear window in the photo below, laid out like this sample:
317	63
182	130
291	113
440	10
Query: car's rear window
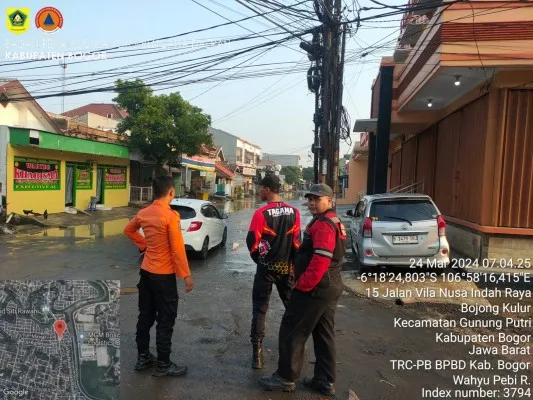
184	212
412	210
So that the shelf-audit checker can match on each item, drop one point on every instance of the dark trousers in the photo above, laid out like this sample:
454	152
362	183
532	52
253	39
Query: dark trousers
263	281
309	313
158	301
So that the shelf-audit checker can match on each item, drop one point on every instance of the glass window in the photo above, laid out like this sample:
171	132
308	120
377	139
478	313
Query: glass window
397	210
184	212
209	212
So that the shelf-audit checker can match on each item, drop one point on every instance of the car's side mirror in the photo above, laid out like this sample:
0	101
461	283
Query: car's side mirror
225	216
349	213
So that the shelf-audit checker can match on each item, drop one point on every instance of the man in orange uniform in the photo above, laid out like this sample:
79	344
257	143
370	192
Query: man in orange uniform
164	260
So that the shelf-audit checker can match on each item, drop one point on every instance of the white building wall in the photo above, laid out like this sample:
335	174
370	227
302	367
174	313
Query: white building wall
23	115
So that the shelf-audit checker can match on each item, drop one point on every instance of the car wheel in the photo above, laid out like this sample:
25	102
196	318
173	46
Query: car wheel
224	238
205	249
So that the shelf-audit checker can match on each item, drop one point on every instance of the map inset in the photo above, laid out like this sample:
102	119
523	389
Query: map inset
59	340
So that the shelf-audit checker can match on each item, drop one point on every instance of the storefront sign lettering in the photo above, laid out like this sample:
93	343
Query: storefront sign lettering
115	178
36	175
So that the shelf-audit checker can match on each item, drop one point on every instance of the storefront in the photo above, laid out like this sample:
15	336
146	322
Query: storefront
47	171
200	176
249	176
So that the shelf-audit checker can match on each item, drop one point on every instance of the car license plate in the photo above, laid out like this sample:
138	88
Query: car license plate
405	239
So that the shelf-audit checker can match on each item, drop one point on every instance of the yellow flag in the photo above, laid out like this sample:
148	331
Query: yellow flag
18	19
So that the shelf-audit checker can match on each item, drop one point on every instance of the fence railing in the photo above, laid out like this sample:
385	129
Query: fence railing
410	187
139	194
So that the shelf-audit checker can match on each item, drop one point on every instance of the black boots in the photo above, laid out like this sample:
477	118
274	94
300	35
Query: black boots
257	358
275	382
324	388
144	361
168	368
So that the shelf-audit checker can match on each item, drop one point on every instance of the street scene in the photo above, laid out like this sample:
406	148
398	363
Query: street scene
213	326
163	167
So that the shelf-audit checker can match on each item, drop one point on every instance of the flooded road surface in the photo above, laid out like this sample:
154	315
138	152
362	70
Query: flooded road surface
212	331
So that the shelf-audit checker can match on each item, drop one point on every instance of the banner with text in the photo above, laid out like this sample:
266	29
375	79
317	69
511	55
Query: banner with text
36	175
115	178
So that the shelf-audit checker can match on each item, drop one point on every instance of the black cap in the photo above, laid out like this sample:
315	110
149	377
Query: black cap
320	190
272	182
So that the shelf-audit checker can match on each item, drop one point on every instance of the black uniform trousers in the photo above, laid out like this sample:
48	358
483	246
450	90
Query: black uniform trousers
158	301
263	281
309	313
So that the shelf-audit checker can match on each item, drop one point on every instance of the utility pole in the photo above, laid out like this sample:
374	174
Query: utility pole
64	65
325	80
327	73
336	115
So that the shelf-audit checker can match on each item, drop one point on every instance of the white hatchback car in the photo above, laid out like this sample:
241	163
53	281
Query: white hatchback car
202	225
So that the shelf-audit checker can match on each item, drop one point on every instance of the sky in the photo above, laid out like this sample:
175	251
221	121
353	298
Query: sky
274	111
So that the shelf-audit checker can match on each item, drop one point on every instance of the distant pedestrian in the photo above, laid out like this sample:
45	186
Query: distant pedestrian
311	309
273	238
164	260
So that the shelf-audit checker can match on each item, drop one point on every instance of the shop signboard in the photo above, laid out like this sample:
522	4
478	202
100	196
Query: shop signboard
84	177
36	175
115	178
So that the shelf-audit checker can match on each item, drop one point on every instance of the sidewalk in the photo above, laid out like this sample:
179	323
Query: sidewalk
64	220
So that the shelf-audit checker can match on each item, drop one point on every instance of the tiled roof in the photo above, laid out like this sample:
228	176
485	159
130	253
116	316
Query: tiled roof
223	171
103	109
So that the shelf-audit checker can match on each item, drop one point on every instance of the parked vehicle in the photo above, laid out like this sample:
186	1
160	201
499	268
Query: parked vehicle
398	229
202	225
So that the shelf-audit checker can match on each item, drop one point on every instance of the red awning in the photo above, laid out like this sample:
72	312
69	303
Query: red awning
223	171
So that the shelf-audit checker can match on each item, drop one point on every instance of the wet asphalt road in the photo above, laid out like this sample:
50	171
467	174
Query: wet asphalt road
211	335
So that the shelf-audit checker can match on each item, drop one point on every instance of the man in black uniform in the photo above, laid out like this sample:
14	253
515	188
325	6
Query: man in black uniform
313	301
273	238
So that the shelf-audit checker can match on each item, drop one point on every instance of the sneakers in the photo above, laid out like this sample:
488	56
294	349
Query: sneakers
168	369
324	388
144	361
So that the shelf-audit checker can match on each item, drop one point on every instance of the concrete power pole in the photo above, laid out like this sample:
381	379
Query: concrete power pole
333	79
328	91
339	75
327	81
64	65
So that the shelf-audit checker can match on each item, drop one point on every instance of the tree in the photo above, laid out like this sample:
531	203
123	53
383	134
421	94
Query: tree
292	174
161	127
308	174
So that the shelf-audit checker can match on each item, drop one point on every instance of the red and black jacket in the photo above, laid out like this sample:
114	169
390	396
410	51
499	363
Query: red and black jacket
274	234
319	258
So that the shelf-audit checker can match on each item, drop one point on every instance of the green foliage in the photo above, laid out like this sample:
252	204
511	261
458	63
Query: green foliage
162	127
292	174
308	174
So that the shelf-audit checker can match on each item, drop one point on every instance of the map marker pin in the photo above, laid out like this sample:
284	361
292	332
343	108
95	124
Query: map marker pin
59	327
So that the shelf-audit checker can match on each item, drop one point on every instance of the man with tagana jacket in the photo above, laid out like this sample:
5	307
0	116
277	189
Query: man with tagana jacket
311	309
273	238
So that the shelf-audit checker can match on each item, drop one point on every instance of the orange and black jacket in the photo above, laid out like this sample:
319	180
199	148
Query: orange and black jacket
162	240
274	234
319	259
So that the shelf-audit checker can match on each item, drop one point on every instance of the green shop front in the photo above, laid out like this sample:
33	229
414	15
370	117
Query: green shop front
46	171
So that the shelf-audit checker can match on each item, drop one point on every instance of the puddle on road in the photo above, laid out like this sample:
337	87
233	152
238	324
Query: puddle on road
88	231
